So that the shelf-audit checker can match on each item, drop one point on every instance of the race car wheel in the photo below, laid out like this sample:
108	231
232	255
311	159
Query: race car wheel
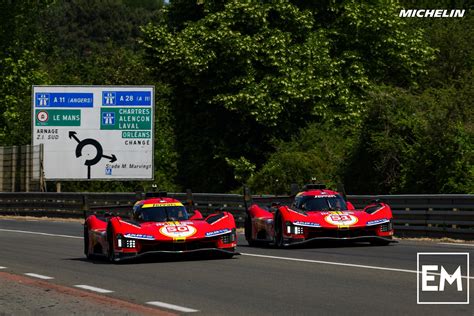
86	242
110	240
278	230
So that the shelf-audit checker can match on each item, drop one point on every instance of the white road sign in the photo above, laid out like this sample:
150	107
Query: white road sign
95	132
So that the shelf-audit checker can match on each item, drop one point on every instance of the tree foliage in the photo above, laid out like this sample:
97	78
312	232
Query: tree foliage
19	68
316	152
265	93
96	43
413	143
269	68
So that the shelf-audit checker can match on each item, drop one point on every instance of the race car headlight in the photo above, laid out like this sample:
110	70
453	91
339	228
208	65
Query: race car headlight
228	238
125	242
119	241
386	227
296	230
130	243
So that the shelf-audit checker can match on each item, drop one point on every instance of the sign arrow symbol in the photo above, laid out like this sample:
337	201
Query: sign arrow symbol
112	158
92	142
72	134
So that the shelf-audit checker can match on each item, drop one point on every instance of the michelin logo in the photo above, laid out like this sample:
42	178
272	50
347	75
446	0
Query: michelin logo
439	13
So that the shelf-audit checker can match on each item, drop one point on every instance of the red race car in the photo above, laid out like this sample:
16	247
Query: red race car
159	225
318	214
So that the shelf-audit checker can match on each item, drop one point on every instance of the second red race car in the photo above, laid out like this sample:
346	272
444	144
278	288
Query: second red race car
159	225
318	214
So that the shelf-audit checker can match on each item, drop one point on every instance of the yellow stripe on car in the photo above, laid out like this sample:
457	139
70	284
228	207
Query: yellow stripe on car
161	205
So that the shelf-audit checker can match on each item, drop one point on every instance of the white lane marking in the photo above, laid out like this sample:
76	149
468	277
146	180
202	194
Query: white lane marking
37	233
264	256
92	288
339	264
174	307
455	244
39	276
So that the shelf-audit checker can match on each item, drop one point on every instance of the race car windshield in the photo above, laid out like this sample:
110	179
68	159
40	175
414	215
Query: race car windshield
163	214
321	203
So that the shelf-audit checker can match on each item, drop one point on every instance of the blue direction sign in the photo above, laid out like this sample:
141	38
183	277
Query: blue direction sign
64	99
127	98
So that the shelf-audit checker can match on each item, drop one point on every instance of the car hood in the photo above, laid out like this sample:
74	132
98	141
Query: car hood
174	230
333	219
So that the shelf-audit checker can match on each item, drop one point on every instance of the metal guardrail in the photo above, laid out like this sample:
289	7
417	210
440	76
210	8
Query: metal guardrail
434	215
429	215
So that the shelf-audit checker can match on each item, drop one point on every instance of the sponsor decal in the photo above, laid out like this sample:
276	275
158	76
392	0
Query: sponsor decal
337	213
162	205
436	13
308	224
139	236
218	232
377	222
325	195
343	219
178	231
174	223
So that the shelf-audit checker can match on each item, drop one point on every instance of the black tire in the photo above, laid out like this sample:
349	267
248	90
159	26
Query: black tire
86	242
110	241
278	231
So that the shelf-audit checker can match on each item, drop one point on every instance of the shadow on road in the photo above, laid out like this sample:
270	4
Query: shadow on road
318	244
154	258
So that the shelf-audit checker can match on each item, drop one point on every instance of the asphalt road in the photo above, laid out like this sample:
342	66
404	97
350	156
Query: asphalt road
336	279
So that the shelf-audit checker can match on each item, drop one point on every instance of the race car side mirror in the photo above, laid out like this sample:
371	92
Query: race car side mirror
350	206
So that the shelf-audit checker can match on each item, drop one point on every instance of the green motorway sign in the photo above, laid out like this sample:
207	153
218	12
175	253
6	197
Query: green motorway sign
126	118
49	117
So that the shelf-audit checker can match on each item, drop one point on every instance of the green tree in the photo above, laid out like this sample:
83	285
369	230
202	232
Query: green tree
414	144
245	73
19	68
316	152
96	43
